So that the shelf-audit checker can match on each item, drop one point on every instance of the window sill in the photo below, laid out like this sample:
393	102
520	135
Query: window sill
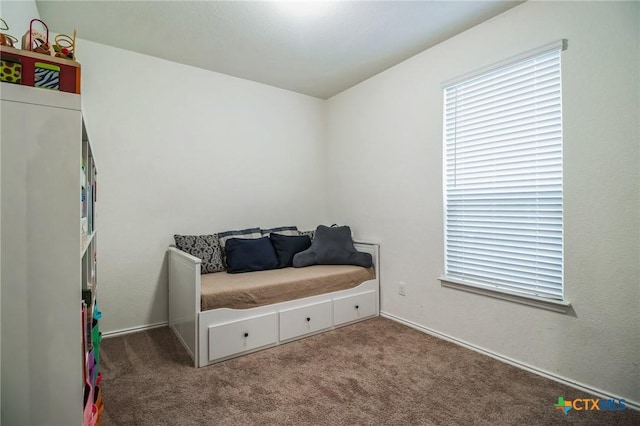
560	306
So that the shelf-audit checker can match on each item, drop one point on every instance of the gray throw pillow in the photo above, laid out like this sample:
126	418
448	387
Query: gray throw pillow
332	246
248	233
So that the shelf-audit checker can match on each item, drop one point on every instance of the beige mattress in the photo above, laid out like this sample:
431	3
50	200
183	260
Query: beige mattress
252	289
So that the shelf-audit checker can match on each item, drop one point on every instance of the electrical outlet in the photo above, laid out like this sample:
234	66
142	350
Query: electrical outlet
402	289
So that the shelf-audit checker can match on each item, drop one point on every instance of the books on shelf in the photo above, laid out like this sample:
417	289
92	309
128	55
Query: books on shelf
88	197
84	341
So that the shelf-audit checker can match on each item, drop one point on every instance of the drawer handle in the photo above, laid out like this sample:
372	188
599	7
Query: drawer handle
246	334
357	307
308	319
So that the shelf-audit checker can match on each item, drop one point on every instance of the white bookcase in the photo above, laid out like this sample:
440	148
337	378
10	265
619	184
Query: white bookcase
46	260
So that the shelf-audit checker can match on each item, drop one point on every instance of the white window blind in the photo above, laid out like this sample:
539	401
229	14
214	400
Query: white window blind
503	178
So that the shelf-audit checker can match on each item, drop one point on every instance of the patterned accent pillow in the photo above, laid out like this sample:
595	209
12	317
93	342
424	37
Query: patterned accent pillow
205	247
310	234
281	230
244	233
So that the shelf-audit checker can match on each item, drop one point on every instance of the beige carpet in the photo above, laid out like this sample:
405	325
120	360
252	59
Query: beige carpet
376	372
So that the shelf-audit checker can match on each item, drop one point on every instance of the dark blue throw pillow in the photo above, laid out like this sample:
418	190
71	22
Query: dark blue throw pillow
287	246
246	255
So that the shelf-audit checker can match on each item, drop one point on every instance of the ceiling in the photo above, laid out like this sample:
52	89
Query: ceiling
318	48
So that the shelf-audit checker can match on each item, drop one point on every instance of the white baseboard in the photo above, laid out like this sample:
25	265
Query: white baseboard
130	330
565	381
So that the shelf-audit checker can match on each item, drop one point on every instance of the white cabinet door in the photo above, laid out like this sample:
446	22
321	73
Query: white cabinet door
308	319
40	134
353	308
241	336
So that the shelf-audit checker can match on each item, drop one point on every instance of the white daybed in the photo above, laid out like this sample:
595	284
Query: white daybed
215	335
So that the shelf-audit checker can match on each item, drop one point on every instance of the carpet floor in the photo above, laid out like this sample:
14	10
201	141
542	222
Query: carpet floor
376	372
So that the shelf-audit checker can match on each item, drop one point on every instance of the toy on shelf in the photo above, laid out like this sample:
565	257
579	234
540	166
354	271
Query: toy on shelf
10	70
46	76
65	46
6	39
37	64
36	70
36	41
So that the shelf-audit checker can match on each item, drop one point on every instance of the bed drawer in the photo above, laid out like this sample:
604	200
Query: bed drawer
240	336
305	320
353	308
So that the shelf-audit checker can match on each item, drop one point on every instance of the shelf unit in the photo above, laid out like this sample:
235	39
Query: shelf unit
89	278
47	261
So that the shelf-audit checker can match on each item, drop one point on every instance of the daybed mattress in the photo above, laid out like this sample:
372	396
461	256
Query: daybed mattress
249	290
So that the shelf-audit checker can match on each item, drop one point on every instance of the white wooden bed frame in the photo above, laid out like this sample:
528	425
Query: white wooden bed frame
220	334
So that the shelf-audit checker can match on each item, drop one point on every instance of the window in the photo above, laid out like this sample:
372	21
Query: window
503	178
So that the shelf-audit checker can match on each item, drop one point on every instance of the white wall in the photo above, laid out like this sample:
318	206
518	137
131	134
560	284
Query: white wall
187	151
18	15
385	178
